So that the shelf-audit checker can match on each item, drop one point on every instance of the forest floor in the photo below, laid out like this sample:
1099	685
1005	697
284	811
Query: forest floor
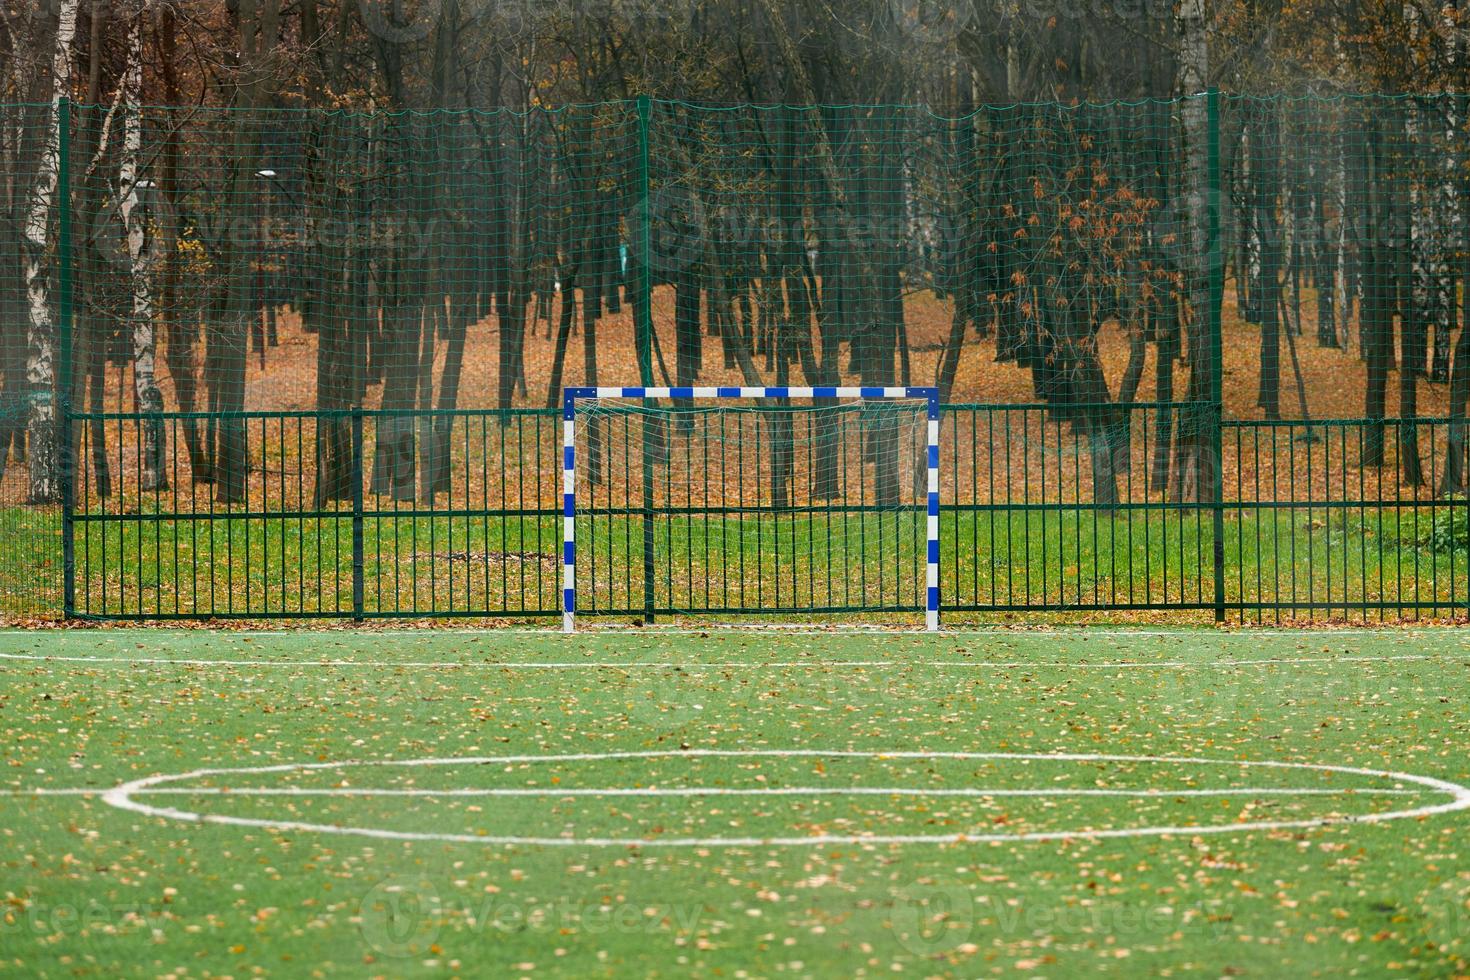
1334	378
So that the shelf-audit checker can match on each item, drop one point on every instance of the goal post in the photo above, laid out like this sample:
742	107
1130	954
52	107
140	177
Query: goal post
789	499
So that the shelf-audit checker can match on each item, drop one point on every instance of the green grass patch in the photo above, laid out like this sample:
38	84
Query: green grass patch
1309	560
31	576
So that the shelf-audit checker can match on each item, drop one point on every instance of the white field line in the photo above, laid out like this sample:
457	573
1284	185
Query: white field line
799	629
124	661
699	791
124	797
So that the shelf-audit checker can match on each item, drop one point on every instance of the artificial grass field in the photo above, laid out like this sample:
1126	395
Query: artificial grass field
652	853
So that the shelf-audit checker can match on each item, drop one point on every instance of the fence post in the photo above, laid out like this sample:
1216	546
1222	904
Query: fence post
645	342
643	307
357	519
64	379
1215	261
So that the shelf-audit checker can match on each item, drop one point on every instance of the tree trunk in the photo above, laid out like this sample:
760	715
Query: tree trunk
1455	461
1378	301
1265	178
688	340
591	301
95	362
1418	292
1195	458
1412	341
1122	437
1099	420
394	460
229	334
566	321
1165	353
1323	272
180	328
141	256
41	336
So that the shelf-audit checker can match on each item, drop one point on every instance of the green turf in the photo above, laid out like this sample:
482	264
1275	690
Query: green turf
31	574
1039	559
89	889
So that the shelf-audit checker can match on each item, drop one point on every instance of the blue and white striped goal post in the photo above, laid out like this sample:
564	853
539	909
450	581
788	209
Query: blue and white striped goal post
569	469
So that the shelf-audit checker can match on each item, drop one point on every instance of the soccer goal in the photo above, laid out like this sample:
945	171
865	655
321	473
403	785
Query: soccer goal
779	502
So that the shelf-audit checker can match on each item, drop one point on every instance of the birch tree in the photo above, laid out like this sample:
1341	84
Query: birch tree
42	334
140	259
1195	460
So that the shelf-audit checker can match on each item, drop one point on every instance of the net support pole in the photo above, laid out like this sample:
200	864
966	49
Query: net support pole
359	546
1214	259
64	374
644	315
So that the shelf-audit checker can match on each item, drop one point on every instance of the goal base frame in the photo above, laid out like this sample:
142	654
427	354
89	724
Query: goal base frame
570	397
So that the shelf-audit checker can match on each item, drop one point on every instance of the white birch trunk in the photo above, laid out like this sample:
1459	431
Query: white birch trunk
140	261
1447	209
1420	313
1194	471
1013	55
1255	222
41	333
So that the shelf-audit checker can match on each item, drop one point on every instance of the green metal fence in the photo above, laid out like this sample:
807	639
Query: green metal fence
1307	529
288	364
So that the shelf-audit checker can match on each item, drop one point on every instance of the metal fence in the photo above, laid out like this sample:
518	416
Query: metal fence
287	364
1302	527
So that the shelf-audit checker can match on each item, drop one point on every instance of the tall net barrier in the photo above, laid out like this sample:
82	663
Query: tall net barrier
1197	354
1344	239
759	506
353	317
1031	256
31	563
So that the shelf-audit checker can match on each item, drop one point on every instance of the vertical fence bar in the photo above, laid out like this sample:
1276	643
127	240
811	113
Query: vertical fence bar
358	545
64	287
645	345
1215	258
643	309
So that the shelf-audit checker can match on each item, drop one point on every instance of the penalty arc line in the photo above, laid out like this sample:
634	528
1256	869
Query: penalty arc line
123	798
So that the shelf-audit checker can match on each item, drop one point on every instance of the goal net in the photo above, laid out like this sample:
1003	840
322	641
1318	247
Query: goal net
764	501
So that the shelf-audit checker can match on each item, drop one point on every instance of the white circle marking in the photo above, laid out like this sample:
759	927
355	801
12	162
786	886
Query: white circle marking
124	796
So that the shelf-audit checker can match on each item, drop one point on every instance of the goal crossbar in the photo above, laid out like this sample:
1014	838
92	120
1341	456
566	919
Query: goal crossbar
571	396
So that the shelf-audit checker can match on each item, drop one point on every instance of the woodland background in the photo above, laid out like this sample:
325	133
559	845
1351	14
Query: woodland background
435	204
